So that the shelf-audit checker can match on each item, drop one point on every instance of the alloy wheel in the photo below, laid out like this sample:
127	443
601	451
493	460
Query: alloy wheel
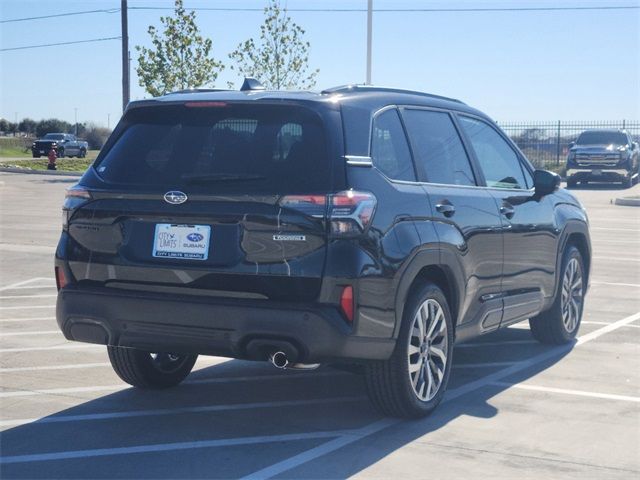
572	295
428	350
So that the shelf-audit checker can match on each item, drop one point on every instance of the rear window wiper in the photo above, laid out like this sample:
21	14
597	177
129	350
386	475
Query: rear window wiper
221	177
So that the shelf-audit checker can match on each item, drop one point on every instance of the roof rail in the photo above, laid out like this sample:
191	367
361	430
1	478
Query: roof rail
373	88
199	90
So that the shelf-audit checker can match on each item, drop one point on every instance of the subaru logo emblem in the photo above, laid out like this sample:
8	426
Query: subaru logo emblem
175	197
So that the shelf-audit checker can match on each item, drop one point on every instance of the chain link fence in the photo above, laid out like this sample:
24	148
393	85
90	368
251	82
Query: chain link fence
546	144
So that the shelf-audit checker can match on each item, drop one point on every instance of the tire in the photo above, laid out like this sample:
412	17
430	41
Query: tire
390	384
571	183
83	153
150	370
553	327
628	181
61	153
36	156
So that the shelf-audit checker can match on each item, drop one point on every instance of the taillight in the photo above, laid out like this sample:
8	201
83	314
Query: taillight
61	280
74	197
346	303
349	212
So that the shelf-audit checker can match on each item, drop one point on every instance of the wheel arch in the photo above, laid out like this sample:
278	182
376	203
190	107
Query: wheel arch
575	233
428	266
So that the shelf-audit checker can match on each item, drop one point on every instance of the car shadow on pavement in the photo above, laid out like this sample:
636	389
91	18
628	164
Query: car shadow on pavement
237	400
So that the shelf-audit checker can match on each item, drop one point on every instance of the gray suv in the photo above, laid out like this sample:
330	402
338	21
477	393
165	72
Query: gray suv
603	156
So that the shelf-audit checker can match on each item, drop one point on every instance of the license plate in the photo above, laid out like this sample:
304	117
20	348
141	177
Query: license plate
188	242
41	151
596	172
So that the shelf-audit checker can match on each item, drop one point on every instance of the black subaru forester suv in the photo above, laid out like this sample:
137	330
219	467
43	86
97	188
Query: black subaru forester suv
360	225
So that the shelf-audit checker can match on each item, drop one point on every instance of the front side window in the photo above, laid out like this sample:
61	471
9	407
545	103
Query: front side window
389	149
438	147
498	161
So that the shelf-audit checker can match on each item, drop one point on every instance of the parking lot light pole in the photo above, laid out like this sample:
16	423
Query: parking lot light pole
369	34
125	54
75	116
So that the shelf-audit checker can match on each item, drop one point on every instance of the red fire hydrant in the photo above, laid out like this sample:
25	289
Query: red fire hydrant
52	159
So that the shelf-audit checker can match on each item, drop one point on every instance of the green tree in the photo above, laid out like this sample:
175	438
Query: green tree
279	59
180	56
27	125
52	125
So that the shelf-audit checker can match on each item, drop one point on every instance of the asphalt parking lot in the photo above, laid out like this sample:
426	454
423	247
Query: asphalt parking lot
514	407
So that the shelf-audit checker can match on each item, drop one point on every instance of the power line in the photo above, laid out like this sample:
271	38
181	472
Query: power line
61	43
408	10
68	14
344	10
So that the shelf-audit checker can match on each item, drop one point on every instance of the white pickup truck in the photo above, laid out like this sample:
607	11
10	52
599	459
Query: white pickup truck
65	144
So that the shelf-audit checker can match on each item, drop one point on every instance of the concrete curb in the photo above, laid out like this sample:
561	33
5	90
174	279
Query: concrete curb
628	202
40	172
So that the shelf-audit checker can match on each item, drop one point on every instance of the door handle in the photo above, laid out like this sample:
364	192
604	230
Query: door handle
446	208
507	210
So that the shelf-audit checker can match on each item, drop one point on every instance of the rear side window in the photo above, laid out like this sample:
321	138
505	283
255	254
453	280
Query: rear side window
241	148
438	147
389	149
498	161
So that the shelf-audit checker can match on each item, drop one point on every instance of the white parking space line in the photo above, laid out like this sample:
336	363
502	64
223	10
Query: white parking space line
24	282
66	346
615	229
55	367
166	447
496	344
480	365
630	325
618	259
44	295
202	381
33	287
615	284
470	387
31	319
23	334
580	393
180	410
328	447
536	359
27	307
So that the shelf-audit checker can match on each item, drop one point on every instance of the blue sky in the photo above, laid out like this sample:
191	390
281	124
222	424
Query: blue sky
563	65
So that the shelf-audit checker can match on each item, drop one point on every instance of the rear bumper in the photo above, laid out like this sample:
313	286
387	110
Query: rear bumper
210	326
592	173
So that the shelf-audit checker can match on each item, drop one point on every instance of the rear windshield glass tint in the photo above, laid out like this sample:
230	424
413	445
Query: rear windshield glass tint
241	148
602	138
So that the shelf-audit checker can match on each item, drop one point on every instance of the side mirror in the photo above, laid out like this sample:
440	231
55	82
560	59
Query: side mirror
545	182
571	145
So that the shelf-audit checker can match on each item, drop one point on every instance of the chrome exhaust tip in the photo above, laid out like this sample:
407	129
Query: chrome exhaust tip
279	360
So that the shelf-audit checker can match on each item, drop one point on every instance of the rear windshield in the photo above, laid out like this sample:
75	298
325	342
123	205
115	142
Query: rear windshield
602	138
240	148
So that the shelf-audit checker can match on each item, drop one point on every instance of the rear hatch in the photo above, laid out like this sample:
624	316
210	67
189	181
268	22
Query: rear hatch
210	198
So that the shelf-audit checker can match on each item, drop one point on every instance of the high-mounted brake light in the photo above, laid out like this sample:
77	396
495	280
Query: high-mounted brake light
346	303
205	104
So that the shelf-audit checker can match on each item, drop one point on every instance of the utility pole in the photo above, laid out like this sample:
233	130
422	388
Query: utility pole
75	114
369	34
125	54
108	121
